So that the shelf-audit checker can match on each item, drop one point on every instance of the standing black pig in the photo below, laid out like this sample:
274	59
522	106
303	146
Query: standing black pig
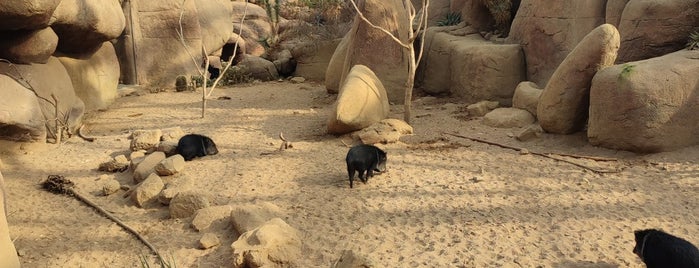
194	145
365	158
659	249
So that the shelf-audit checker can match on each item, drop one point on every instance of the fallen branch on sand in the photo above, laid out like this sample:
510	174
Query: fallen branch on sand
547	155
58	184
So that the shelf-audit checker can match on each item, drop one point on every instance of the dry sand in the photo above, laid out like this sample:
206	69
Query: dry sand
445	202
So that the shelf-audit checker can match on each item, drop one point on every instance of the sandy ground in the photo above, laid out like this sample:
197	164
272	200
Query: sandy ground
445	202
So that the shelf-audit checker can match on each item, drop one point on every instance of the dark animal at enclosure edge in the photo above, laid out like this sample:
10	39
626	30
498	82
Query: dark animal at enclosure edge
365	158
660	249
192	146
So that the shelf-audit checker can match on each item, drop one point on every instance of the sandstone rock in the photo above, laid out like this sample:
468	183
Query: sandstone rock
366	43
8	253
250	216
173	187
256	26
28	46
111	186
185	204
274	244
508	118
20	111
646	106
83	25
170	166
214	21
362	102
333	74
284	63
259	68
298	80
481	108
172	134
168	147
45	80
117	164
614	10
147	191
143	139
549	30
563	104
137	154
654	28
528	133
20	14
350	259
205	217
95	77
386	131
209	240
313	58
147	166
526	97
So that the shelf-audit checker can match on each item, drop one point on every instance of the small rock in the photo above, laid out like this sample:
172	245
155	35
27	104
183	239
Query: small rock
170	166
147	166
168	147
205	217
148	190
350	259
297	80
273	244
175	186
172	134
185	204
137	154
145	139
250	216
528	133
209	240
524	152
110	187
508	118
117	164
481	108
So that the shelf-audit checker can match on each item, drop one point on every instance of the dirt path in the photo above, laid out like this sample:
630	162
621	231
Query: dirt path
445	202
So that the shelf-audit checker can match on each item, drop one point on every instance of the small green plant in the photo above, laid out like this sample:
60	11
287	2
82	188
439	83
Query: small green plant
452	18
236	75
181	83
693	42
626	70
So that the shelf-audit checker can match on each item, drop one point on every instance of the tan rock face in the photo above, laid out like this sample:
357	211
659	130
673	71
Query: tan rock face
20	109
549	30
646	106
526	97
313	58
83	25
373	48
651	28
96	77
28	46
22	14
362	102
563	104
256	26
333	74
8	253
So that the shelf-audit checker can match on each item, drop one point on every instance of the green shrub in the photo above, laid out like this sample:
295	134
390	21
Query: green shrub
452	18
693	42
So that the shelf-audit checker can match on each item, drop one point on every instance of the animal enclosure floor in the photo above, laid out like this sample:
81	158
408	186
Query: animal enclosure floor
444	202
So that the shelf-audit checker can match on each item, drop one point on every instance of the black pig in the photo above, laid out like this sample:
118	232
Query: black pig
659	249
365	158
194	145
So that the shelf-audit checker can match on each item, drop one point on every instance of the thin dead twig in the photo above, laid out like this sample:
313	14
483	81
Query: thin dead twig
547	155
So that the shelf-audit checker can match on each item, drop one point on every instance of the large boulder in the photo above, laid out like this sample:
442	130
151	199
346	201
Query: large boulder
22	14
313	58
83	25
646	106
563	104
259	68
20	111
378	51
28	46
333	74
274	244
549	30
8	253
48	81
470	67
651	28
362	101
256	26
214	20
614	10
95	78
